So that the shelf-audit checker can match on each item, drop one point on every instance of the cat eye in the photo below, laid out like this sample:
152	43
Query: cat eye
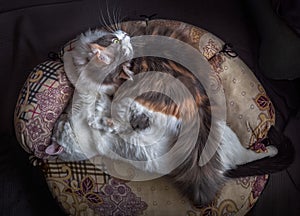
115	40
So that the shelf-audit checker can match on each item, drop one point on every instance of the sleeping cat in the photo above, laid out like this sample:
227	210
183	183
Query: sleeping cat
91	68
146	127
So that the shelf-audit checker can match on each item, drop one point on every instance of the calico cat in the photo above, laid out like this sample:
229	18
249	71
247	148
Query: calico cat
147	126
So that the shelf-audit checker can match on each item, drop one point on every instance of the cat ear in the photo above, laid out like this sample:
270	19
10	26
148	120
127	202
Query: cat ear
54	149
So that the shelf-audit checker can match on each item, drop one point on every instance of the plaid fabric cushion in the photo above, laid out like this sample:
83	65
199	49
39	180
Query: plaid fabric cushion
41	101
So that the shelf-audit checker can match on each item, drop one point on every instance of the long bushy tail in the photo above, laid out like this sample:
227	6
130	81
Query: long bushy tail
281	161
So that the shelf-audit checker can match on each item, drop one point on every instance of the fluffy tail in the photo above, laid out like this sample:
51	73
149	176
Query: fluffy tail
281	161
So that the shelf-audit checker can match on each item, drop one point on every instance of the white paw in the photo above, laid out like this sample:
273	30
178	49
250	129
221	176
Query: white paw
94	125
272	151
104	124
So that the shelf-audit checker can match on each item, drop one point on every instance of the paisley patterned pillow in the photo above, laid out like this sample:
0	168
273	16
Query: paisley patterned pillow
82	188
42	99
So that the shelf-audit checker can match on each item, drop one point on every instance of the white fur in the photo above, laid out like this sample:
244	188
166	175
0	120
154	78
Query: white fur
233	153
145	145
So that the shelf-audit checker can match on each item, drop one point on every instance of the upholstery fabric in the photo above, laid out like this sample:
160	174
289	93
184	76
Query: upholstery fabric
83	189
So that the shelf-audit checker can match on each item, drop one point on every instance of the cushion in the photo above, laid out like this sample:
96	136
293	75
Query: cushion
82	188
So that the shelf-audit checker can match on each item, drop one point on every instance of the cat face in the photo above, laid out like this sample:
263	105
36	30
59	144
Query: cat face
111	47
107	47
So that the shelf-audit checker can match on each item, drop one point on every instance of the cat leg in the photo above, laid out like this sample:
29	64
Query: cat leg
248	155
233	153
138	119
100	119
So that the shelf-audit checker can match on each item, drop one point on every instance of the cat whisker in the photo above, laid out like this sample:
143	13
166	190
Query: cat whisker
103	21
106	23
118	17
99	18
111	22
132	34
115	20
121	18
131	31
108	27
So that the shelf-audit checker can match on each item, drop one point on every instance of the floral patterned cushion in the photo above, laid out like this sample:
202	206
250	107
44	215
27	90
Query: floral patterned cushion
81	188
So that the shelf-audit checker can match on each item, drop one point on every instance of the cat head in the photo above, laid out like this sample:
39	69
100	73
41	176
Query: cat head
105	47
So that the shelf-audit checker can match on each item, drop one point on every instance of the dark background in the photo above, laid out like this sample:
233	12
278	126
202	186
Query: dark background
32	28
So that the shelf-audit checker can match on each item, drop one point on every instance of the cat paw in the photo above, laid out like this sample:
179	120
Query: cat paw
94	125
128	73
271	151
104	124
